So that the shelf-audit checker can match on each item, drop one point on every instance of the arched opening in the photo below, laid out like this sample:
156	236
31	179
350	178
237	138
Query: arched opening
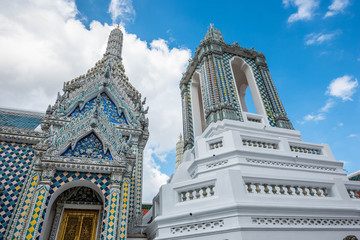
248	93
76	209
198	115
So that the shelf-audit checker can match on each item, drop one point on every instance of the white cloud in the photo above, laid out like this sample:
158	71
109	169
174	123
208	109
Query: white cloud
121	9
352	135
320	115
313	117
319	38
306	9
336	7
43	45
329	104
343	87
153	177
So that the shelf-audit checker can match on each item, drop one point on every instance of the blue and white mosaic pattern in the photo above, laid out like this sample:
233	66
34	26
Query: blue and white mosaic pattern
108	106
89	146
15	162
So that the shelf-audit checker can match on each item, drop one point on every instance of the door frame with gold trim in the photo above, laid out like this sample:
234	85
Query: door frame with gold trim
82	208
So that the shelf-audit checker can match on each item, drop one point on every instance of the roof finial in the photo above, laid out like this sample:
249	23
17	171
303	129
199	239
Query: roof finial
115	41
213	33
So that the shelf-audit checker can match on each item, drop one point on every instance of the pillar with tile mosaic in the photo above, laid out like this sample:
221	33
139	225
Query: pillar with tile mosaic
216	81
87	142
124	206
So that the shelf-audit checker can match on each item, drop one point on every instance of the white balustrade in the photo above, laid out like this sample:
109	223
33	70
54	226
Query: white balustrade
308	150
286	189
197	193
259	144
214	145
354	193
251	119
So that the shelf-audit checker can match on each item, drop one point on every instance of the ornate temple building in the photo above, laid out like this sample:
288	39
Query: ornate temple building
248	175
76	171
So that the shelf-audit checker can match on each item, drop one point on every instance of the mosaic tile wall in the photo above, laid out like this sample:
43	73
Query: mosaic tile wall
274	97
225	90
23	206
207	88
15	163
109	108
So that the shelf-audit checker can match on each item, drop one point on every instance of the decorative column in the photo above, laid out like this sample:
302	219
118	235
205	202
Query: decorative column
55	225
281	118
124	206
187	116
135	179
38	205
112	216
138	183
22	211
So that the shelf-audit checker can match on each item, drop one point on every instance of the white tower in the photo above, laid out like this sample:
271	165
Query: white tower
248	175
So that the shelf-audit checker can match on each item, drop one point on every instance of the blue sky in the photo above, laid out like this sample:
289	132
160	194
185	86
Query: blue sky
305	53
312	49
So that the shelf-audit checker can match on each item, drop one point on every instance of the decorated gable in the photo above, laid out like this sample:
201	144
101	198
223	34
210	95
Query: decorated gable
106	105
89	146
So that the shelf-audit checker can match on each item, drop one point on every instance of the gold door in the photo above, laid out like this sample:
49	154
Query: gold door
78	225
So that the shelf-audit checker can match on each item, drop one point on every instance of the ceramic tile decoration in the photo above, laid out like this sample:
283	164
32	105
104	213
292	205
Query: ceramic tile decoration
239	174
247	174
93	136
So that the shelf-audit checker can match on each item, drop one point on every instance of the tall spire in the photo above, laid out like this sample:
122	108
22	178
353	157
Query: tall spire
114	46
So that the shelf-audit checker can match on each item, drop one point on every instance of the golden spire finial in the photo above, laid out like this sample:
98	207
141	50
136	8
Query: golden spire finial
211	25
117	26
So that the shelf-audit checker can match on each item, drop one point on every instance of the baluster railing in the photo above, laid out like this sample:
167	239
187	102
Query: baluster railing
197	193
291	190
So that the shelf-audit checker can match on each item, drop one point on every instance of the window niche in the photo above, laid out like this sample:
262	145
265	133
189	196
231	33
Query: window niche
248	94
198	115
